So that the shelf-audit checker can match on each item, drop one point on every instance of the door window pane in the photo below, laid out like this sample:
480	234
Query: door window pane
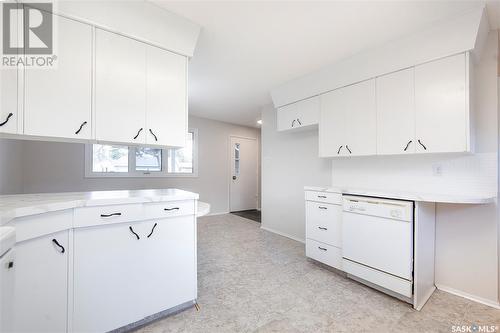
236	159
181	160
148	159
107	158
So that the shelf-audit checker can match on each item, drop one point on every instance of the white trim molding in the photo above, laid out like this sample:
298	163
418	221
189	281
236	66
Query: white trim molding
471	297
283	234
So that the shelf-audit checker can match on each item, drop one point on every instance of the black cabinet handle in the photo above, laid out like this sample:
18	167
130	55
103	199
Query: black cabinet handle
169	209
293	122
138	132
408	145
322	228
150	131
350	152
132	231
7	120
298	120
322	196
60	246
425	148
10	264
340	148
322	248
112	214
322	207
81	126
152	230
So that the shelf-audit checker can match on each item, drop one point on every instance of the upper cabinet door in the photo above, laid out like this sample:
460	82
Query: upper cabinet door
441	101
361	118
308	112
58	101
166	99
396	113
299	114
332	123
120	88
287	116
9	113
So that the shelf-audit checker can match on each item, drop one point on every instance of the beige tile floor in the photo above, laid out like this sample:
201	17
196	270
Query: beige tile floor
252	280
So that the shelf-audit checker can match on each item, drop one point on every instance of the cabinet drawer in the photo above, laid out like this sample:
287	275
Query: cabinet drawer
327	254
89	216
324	223
333	198
168	209
42	224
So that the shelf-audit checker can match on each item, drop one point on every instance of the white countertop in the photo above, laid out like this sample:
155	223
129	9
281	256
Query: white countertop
19	205
413	196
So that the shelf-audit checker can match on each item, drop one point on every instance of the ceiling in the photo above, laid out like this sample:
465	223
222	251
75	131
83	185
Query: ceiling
245	49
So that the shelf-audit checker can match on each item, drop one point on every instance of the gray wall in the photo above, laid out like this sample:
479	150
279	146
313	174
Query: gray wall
289	161
11	166
40	166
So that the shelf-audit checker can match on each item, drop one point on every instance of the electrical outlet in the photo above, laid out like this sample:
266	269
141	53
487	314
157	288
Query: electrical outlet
437	170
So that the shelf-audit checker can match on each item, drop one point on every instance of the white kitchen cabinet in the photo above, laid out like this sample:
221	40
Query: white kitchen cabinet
168	245
9	112
120	88
348	121
301	114
324	223
41	284
109	296
396	113
58	100
442	105
166	98
332	124
7	282
108	276
324	227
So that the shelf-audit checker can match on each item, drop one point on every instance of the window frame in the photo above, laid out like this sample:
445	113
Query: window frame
132	173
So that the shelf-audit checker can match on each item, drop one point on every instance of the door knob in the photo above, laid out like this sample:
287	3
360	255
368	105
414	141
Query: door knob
234	177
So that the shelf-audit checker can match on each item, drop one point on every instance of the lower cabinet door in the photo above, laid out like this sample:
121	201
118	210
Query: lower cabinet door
7	278
109	277
170	257
41	284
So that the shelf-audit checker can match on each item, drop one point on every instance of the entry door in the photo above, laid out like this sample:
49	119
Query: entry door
243	182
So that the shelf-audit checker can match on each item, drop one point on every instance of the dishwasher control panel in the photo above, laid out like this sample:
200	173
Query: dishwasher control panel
385	208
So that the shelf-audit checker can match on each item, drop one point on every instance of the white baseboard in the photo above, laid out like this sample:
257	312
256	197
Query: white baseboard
282	234
474	298
217	213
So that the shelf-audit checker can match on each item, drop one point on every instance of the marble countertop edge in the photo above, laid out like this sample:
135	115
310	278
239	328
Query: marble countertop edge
21	205
413	196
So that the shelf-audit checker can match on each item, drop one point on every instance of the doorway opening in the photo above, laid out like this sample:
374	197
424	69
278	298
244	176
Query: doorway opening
243	183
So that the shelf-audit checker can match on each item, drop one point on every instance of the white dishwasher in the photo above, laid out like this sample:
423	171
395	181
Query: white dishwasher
377	239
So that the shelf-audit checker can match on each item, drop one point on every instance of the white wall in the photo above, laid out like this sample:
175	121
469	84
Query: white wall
289	161
466	235
59	167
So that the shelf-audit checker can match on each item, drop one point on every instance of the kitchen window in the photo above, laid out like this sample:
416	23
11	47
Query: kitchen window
103	160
